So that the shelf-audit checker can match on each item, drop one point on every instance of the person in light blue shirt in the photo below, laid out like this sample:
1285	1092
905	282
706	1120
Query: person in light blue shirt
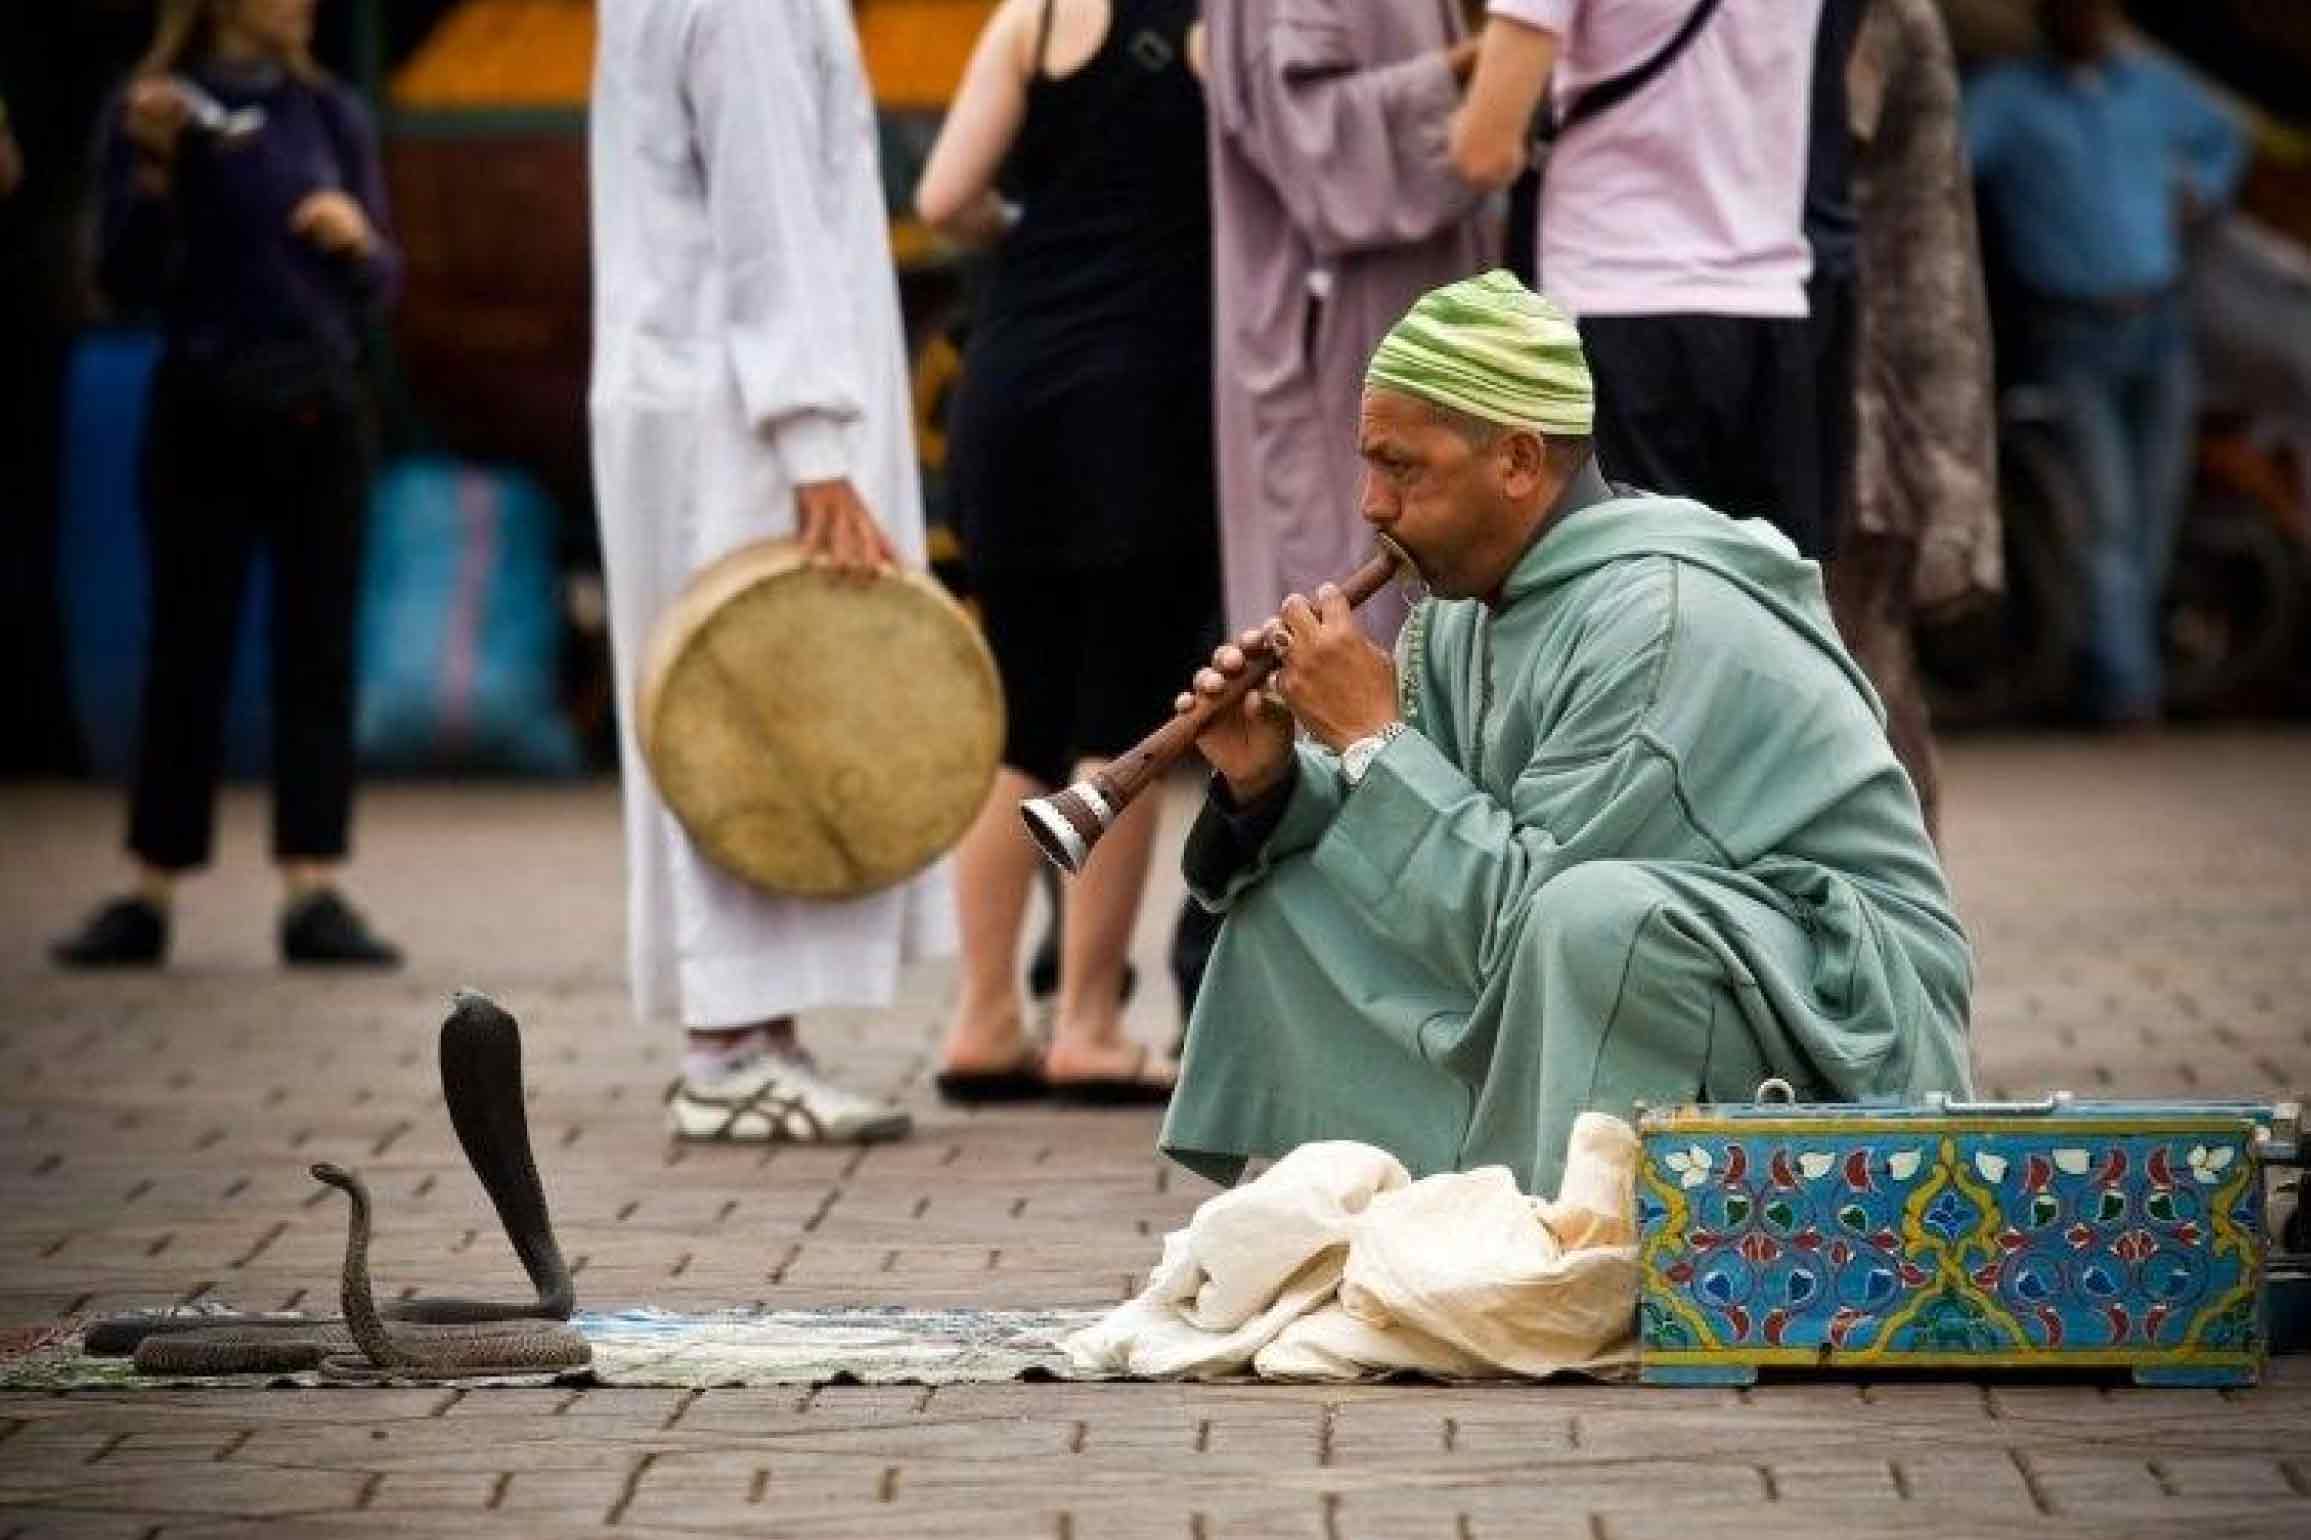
2089	157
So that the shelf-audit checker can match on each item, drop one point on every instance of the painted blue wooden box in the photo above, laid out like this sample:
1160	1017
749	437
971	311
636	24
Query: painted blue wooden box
2047	1235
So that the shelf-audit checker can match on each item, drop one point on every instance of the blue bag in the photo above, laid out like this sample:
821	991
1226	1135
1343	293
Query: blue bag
460	631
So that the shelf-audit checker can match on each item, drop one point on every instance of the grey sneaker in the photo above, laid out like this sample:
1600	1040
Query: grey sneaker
780	1099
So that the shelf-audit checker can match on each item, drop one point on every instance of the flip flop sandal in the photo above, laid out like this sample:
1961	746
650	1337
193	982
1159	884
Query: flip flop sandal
1132	1090
1022	1082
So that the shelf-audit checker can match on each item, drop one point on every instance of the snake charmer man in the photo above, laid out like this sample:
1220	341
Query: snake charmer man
1619	822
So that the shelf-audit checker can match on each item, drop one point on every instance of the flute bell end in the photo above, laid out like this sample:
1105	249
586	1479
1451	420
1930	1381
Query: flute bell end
1066	824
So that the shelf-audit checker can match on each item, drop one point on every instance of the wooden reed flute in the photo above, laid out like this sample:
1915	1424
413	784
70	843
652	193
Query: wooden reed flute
1067	824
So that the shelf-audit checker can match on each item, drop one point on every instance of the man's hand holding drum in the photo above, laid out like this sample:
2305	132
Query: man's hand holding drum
836	528
1330	678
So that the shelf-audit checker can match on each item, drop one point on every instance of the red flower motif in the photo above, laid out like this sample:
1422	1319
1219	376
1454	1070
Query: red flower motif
2119	1322
2113	1167
2134	1245
1986	1276
1740	1319
1913	1274
2037	1174
1707	1240
1840	1253
1775	1322
2161	1173
1858	1171
1807	1240
1885	1240
2080	1237
2053	1324
1759	1247
2152	1320
2010	1239
1843	1323
1678	1272
1783	1176
2187	1232
1736	1164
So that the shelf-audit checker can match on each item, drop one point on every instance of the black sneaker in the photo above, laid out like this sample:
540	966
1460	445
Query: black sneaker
126	933
322	929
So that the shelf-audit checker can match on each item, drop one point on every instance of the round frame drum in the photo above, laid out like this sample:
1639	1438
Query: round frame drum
817	736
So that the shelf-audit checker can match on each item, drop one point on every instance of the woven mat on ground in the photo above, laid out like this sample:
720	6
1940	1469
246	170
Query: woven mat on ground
658	1349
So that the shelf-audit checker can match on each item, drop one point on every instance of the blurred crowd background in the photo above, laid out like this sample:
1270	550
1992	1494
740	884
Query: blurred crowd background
481	635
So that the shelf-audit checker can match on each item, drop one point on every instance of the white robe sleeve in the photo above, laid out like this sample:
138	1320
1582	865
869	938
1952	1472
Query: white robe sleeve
756	115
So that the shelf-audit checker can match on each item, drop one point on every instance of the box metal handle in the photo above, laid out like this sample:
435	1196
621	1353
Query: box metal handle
1941	1102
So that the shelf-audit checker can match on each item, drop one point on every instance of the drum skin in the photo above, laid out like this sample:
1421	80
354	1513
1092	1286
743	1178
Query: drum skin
819	737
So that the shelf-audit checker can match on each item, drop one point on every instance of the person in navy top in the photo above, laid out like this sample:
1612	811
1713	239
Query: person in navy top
2088	157
243	206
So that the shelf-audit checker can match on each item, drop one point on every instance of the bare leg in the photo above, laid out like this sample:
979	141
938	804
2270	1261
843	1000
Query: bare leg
156	885
1101	906
299	878
995	876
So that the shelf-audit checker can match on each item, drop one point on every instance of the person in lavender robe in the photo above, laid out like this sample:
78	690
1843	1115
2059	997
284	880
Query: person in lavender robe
1334	207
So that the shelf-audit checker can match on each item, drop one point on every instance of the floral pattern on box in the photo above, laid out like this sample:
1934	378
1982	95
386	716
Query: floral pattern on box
1926	1242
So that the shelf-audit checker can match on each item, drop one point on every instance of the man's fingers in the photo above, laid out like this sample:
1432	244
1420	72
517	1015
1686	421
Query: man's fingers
1229	660
1252	637
1331	605
853	543
866	555
1210	681
1298	617
1183	703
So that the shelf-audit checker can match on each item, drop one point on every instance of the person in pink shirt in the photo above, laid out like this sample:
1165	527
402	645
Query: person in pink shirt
1672	226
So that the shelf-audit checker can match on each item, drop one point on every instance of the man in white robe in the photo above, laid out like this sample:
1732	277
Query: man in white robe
749	381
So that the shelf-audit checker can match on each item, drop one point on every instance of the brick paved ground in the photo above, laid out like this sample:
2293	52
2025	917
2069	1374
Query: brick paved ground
2145	918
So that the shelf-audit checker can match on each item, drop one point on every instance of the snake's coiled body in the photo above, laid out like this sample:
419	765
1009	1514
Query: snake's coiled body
419	1351
481	1082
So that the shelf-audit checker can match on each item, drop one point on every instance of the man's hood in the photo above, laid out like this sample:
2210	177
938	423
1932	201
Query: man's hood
1749	553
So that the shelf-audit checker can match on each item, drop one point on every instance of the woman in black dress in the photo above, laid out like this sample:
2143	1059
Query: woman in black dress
1081	468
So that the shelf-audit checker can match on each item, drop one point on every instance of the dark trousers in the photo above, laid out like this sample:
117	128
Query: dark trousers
1722	409
1834	303
224	475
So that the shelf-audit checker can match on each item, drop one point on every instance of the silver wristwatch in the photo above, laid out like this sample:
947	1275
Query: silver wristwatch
1358	756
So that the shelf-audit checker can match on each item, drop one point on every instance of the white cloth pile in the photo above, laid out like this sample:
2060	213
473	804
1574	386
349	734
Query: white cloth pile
1336	1265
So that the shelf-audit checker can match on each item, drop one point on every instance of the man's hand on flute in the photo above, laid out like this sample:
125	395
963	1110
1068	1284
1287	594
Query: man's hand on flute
1339	686
1250	744
1331	679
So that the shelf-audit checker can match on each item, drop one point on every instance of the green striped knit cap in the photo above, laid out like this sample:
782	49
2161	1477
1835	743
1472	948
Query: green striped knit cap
1492	348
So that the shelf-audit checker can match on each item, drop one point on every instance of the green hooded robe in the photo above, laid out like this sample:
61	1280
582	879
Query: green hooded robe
1646	841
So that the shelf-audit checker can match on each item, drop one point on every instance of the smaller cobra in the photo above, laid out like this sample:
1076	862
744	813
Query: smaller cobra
411	1351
